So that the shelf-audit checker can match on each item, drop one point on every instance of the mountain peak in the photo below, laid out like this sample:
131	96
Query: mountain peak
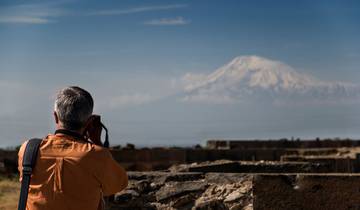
256	71
249	59
248	75
257	63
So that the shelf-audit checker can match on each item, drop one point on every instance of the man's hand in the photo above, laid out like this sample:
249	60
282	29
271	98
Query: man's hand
93	129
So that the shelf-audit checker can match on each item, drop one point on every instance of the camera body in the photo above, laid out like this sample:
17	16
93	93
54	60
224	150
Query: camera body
93	131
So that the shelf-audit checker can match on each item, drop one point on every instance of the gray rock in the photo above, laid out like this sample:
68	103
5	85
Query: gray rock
179	188
125	196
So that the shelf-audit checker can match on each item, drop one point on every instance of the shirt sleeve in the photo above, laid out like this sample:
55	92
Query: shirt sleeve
20	158
113	177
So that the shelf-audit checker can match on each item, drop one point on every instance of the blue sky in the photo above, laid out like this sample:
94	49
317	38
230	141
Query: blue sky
132	55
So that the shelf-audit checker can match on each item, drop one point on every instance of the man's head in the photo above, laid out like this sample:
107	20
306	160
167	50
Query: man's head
73	107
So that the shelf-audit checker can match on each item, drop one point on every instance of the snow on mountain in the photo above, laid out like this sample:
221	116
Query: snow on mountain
254	76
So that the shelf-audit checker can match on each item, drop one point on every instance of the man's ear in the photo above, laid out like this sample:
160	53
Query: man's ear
56	118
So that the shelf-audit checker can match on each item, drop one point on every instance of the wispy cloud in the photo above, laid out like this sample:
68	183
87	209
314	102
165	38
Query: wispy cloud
24	19
167	21
45	13
137	9
30	14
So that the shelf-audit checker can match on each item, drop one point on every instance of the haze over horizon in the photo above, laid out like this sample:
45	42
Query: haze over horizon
182	72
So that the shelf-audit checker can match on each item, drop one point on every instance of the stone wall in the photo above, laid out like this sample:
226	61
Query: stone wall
226	166
310	192
159	159
163	158
8	162
282	143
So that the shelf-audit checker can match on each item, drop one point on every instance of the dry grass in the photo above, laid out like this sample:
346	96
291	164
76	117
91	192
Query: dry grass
9	193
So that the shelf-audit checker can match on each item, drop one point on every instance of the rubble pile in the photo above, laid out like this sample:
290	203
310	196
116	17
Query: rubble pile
198	191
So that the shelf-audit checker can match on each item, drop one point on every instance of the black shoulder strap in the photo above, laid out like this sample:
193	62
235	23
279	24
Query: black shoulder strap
29	160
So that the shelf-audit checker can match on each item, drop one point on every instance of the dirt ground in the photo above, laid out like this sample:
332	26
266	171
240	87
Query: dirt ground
9	193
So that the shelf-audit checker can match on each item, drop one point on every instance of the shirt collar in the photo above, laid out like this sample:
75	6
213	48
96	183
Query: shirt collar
70	133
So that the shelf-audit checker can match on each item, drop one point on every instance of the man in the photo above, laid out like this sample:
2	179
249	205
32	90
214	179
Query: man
72	173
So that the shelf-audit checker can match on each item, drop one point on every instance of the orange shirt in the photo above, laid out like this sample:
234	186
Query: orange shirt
71	174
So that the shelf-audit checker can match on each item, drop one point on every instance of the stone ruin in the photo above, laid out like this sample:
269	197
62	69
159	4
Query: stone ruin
282	174
238	191
262	175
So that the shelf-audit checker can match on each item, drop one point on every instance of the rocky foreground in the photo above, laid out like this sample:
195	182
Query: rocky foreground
159	190
172	190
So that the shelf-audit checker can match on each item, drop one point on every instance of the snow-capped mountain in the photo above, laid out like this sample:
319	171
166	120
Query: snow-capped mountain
256	76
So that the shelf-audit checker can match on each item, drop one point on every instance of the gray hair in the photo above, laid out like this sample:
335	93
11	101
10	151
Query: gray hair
73	106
